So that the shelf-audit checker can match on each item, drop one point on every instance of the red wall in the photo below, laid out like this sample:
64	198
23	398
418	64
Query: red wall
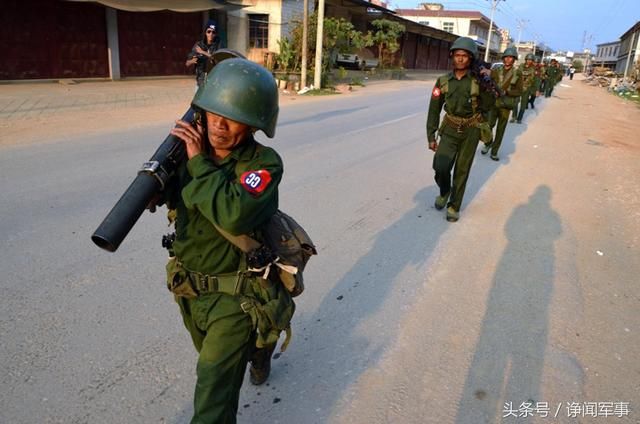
157	43
52	39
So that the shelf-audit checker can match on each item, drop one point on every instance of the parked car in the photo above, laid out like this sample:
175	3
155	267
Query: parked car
362	59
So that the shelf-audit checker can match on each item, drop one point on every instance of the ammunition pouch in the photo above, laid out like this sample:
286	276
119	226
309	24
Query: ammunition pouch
506	102
269	305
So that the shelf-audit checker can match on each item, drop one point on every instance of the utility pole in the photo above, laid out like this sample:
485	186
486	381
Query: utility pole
521	24
494	4
626	66
318	71
305	34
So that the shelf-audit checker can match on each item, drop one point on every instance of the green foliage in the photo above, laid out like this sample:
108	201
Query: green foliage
339	36
287	55
342	73
386	37
578	65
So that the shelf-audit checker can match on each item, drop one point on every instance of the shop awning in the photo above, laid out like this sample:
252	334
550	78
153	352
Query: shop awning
173	5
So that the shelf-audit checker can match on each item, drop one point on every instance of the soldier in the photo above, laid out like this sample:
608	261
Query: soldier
538	81
510	80
553	75
529	86
229	185
202	52
459	93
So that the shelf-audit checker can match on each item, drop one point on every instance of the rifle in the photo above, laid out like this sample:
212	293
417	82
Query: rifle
485	81
150	180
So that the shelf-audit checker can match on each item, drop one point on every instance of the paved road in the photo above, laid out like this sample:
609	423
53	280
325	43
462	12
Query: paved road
531	297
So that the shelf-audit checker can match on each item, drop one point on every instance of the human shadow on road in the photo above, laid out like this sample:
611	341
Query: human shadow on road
508	361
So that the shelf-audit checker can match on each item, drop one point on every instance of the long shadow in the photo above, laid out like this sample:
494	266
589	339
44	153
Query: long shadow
508	362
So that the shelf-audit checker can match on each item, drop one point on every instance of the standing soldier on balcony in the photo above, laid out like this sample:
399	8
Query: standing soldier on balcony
459	93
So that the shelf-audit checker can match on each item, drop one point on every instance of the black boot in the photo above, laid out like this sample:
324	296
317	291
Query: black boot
261	364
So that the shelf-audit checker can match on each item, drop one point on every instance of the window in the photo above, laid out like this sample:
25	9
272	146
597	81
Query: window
259	31
424	23
447	26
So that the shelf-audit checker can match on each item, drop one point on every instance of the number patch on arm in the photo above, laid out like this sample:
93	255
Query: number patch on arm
255	182
436	92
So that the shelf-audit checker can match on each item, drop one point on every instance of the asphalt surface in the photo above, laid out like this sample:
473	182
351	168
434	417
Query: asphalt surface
532	297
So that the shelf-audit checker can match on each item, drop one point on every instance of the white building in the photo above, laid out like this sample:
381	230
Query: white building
464	23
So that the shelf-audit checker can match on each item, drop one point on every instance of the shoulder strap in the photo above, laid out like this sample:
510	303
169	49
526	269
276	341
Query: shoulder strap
443	80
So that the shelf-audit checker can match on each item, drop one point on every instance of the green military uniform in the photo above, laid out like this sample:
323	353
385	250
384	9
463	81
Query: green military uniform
529	86
459	132
553	75
510	80
228	311
542	76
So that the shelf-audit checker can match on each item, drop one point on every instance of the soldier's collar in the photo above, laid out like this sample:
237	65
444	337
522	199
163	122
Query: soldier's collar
452	75
245	151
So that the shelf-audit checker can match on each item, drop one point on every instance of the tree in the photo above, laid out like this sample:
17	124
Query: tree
577	63
386	38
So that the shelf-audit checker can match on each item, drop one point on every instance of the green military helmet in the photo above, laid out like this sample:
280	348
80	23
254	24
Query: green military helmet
242	91
537	59
465	43
530	56
510	51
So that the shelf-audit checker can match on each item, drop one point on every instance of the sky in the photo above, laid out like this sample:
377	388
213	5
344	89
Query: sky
559	24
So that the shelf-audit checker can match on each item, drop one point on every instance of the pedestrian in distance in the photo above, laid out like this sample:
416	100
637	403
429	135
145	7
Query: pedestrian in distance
572	71
201	54
464	102
509	78
227	186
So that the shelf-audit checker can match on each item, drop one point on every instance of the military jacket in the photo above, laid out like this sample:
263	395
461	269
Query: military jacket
456	101
202	64
509	80
239	194
552	74
528	76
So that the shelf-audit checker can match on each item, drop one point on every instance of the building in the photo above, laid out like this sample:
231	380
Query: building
113	39
421	47
629	52
607	54
460	22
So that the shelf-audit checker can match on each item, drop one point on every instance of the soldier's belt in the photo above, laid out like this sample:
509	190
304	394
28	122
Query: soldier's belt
230	283
460	123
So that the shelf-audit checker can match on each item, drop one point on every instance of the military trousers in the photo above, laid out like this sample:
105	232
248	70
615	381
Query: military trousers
456	151
525	99
501	117
548	88
224	337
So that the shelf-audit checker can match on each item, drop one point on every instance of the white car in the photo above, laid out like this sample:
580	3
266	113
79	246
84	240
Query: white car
361	60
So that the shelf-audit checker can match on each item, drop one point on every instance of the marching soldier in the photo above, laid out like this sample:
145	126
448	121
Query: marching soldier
510	80
553	76
228	186
460	95
529	86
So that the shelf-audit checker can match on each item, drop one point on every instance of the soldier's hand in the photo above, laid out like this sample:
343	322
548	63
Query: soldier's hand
433	145
193	137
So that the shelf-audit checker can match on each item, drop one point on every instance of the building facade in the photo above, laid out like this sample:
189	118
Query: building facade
459	22
629	52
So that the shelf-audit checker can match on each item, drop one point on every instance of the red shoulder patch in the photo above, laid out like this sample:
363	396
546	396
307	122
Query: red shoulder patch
255	182
436	92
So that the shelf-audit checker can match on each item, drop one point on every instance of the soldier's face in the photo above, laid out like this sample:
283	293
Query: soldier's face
225	134
508	61
461	59
529	62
